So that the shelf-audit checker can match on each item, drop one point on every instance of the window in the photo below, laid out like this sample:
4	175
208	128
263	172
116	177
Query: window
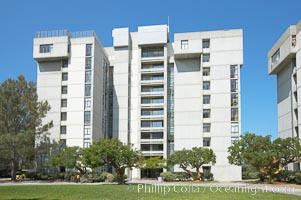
206	57
63	116
63	130
88	49
206	71
87	103
87	117
152	51
157	135
233	71
157	147
206	43
65	76
88	63
276	57
206	99
88	90
152	89
206	127
46	48
152	112
64	89
87	144
206	85
65	64
234	114
206	113
206	141
234	85
63	142
64	103
152	77
88	76
152	100
152	135
234	128
152	66
234	99
293	40
184	44
145	147
87	130
146	124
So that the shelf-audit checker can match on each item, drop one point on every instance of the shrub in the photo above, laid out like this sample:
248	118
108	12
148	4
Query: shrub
182	176
93	177
110	178
298	177
250	175
168	176
115	177
286	176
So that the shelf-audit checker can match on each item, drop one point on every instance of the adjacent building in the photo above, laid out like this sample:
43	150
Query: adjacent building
158	95
284	61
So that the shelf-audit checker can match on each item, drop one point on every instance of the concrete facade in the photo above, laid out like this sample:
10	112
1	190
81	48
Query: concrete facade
165	96
284	61
65	64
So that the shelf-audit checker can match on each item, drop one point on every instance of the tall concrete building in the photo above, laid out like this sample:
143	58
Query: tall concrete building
163	96
73	78
284	61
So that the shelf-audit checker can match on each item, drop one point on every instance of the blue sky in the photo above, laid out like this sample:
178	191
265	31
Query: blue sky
263	22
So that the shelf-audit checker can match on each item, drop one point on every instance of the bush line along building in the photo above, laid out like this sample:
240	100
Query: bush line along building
159	95
284	62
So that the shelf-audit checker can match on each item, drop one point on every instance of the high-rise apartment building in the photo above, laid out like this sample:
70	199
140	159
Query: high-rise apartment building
284	61
73	77
161	96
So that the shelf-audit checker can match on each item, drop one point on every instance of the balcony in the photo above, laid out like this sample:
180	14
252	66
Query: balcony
152	91
156	102
283	51
51	46
152	53
152	148
152	79
192	49
150	114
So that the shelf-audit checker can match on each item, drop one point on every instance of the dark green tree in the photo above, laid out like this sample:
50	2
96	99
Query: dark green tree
266	156
20	121
69	157
192	159
154	163
112	152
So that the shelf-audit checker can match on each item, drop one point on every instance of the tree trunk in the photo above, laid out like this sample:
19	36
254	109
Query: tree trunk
13	170
189	172
120	175
198	173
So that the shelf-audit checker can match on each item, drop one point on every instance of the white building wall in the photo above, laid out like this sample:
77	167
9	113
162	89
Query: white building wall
50	83
287	69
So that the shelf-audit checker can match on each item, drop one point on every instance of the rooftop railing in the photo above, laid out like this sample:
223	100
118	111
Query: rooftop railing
59	33
56	33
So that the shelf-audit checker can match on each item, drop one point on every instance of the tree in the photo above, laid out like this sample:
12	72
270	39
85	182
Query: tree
266	156
112	152
20	121
192	159
154	163
69	157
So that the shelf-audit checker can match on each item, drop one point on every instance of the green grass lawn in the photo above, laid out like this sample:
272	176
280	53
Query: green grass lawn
116	192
